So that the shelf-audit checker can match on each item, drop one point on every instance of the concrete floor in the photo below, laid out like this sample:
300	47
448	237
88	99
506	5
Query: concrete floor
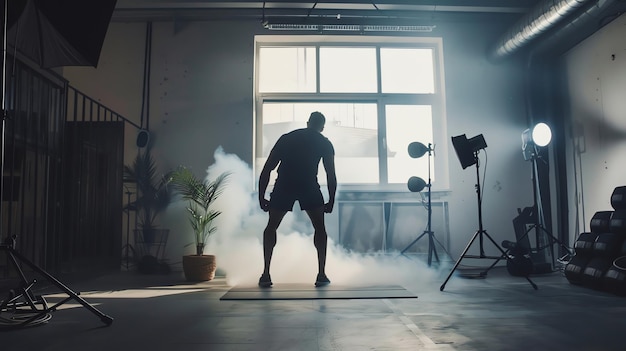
499	312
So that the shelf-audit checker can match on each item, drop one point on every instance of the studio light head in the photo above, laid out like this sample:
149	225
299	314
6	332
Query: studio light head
416	184
538	136
417	150
466	149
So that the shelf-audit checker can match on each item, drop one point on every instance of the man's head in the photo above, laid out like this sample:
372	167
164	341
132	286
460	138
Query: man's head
316	121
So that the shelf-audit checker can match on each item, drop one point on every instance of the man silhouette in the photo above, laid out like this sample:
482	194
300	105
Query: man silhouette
297	155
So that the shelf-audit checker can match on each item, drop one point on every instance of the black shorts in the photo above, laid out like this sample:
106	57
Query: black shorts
283	198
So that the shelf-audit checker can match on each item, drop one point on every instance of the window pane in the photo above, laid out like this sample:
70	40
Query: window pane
406	124
348	70
352	128
406	70
287	69
351	83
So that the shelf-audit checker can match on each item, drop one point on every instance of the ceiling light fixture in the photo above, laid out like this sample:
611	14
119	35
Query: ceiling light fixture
341	23
346	28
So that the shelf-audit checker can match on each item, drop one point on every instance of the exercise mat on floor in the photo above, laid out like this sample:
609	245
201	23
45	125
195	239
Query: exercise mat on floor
310	292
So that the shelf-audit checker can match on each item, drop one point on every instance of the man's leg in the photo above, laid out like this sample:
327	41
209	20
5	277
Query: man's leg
269	237
320	240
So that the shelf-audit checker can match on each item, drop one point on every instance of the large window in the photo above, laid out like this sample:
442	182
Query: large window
378	95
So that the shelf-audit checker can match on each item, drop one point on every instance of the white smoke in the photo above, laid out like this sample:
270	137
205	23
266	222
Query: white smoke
239	250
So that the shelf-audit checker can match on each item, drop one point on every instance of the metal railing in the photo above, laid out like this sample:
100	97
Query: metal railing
62	192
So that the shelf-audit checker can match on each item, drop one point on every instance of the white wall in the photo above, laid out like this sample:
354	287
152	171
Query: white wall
202	97
596	70
485	98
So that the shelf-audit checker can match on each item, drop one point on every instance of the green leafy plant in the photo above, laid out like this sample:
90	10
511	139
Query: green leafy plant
153	195
200	195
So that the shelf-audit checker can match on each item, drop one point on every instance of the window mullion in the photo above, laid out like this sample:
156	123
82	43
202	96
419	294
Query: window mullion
317	69
382	130
382	144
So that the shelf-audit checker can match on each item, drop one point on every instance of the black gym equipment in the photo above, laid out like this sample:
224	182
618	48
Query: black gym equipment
519	262
600	222
600	255
22	308
584	244
575	267
593	274
617	224
618	198
608	245
523	226
615	277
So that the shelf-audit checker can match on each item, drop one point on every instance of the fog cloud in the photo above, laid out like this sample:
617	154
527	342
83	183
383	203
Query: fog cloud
239	250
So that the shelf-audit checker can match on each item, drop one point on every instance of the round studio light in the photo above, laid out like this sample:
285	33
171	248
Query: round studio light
417	149
541	134
416	184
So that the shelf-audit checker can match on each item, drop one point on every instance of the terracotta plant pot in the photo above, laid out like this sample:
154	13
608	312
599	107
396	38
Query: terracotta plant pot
199	268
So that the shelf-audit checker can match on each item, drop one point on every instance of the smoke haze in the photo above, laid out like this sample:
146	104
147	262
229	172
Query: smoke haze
238	242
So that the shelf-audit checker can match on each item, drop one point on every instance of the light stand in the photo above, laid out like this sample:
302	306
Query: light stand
3	110
532	218
467	151
416	184
531	152
21	305
481	233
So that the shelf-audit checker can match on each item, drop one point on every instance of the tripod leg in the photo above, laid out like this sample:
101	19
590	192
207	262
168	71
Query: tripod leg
532	283
431	246
443	286
413	243
555	240
441	246
103	317
503	256
432	249
495	244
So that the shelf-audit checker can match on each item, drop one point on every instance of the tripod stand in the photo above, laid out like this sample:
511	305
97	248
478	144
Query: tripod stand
22	296
432	250
481	233
547	240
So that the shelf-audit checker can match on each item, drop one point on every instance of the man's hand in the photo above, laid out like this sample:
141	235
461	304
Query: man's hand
265	204
328	207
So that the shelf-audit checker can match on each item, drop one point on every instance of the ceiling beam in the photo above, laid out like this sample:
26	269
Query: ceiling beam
207	9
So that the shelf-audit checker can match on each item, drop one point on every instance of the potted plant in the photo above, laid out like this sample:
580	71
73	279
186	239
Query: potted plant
153	197
200	195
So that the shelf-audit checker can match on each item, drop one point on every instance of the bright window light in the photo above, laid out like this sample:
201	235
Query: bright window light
407	70
378	95
348	70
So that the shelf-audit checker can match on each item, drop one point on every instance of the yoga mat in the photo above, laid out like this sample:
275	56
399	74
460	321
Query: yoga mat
310	292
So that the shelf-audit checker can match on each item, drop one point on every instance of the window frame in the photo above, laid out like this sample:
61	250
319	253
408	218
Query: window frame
436	100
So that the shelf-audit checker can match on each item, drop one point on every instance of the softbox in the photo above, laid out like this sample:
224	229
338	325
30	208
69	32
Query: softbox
56	33
466	148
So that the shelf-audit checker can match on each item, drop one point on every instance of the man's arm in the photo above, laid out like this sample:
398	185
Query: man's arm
331	180
264	179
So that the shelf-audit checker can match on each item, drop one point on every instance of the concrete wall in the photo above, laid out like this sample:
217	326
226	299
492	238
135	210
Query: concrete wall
596	71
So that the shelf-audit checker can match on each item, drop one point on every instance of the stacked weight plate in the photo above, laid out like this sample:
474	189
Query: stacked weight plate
615	277
584	247
598	262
